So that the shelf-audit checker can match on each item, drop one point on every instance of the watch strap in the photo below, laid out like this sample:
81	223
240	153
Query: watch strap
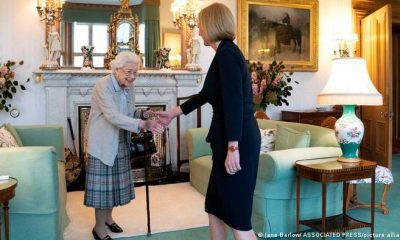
233	148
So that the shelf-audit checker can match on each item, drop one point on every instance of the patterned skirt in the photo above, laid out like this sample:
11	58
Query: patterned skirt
106	186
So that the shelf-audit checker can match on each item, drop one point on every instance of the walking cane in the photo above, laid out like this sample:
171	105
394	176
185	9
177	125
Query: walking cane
146	174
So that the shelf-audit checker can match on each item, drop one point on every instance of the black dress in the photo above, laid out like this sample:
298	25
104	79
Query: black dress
227	88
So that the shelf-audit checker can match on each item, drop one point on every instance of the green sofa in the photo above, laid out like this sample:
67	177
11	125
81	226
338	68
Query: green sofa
38	210
274	204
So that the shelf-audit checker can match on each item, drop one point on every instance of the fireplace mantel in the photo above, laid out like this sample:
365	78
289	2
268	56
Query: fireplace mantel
67	90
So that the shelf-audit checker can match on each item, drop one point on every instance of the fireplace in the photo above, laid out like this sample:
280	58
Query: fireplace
158	166
68	90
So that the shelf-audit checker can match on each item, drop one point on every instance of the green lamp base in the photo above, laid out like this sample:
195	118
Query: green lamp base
349	131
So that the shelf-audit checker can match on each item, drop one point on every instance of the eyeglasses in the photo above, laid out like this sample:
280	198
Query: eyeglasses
130	73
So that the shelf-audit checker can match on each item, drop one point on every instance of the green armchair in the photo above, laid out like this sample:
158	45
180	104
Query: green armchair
38	210
274	202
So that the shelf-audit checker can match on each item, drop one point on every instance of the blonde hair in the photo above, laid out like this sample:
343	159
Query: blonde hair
218	22
123	58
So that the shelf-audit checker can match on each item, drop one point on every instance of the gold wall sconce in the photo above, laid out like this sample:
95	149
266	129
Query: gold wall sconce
50	10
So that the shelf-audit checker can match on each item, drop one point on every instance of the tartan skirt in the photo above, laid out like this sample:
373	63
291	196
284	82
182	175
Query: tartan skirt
107	187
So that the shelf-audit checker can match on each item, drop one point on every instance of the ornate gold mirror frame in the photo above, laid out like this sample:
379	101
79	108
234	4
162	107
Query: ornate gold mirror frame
124	15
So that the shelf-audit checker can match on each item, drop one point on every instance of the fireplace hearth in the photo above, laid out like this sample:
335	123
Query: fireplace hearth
158	166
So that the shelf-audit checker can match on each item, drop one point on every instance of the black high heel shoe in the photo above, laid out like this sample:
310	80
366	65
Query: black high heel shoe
114	228
98	238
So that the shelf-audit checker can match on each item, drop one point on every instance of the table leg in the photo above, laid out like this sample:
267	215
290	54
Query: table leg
6	220
372	205
323	209
297	206
345	204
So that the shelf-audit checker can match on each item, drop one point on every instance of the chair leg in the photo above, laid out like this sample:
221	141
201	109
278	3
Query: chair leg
349	195
353	198
356	204
386	188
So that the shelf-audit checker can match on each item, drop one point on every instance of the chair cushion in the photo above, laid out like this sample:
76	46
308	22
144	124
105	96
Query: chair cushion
7	139
200	169
267	140
287	138
382	175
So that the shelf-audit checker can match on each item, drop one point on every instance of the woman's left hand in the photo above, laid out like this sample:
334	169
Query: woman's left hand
151	125
232	162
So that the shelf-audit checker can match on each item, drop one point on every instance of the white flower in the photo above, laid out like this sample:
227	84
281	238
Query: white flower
2	82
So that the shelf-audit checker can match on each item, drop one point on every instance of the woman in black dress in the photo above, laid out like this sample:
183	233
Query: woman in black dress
234	135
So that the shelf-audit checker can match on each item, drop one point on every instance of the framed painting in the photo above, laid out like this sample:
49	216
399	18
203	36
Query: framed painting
172	38
281	30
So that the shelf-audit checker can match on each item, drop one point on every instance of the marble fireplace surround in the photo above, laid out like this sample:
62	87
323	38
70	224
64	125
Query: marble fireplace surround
67	90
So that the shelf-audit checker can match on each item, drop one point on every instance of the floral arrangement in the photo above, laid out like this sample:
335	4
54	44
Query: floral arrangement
8	85
162	58
270	84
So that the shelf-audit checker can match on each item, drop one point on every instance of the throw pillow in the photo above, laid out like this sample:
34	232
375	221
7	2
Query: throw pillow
287	138
267	140
6	139
13	132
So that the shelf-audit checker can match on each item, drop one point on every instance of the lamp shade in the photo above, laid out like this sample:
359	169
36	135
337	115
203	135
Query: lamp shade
349	84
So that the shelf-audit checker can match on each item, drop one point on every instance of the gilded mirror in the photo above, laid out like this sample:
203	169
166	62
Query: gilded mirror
123	32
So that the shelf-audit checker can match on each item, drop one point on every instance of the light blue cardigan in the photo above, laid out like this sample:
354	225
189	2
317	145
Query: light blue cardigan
105	119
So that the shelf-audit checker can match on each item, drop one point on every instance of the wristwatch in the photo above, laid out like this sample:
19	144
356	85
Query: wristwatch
233	148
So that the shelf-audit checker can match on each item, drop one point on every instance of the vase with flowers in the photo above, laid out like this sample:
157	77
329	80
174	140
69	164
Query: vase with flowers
8	85
271	84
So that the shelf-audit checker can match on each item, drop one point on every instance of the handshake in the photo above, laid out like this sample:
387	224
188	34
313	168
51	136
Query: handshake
156	122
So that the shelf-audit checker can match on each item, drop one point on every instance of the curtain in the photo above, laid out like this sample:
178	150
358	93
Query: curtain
150	15
86	15
152	41
67	32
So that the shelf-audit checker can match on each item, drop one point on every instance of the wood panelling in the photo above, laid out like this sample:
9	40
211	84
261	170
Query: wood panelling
370	6
376	33
396	86
367	134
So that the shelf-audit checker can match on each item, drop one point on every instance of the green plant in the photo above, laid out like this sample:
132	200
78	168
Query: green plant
270	84
8	85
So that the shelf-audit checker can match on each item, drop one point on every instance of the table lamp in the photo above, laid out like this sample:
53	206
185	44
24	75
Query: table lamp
349	84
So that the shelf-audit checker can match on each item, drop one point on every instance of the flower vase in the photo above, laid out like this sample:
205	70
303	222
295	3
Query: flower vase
260	113
87	52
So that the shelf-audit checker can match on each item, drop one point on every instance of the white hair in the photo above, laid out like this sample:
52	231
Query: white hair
123	58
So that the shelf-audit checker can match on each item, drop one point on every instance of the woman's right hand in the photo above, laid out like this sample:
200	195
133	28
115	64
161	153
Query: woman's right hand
165	117
151	125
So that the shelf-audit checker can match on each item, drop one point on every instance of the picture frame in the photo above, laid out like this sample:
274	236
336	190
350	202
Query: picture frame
281	30
172	38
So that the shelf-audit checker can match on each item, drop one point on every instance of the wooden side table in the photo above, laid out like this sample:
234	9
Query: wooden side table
327	170
7	192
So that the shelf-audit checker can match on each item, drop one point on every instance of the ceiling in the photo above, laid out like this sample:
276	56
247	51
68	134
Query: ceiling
108	2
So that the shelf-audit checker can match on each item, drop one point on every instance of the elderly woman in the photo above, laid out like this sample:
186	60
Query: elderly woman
234	135
109	181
